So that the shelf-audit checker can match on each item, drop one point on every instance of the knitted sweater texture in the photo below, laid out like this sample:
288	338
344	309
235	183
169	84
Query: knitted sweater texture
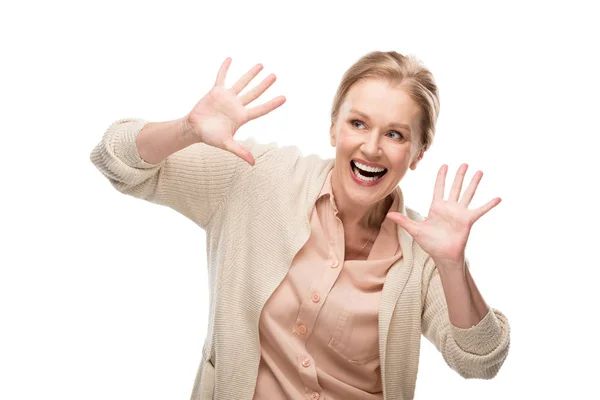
256	219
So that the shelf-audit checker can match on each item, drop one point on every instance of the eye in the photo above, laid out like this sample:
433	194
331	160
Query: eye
355	121
398	133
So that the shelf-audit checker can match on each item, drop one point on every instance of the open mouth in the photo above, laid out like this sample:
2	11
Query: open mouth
366	176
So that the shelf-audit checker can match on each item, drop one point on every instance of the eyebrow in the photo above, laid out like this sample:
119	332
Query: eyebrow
393	124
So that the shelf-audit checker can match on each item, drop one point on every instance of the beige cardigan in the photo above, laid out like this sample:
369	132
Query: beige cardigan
256	219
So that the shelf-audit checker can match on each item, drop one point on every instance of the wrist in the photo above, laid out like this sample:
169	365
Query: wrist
453	264
187	132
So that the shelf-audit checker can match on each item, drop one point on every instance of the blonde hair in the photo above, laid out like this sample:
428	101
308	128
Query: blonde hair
405	71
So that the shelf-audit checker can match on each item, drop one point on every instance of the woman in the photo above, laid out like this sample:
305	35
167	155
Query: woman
321	279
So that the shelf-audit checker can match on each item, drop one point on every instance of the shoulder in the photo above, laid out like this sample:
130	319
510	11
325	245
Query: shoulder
273	152
258	149
289	161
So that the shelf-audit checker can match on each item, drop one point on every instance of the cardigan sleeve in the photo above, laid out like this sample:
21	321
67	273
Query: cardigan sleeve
192	181
476	352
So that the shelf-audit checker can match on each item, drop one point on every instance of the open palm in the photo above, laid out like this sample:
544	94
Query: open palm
444	233
215	119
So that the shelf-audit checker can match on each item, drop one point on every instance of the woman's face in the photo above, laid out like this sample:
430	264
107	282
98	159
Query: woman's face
377	124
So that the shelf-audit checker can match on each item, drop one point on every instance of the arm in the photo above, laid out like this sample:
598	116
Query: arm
189	164
192	181
466	306
475	352
158	140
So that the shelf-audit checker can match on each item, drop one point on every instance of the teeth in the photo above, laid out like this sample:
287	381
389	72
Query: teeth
367	168
365	178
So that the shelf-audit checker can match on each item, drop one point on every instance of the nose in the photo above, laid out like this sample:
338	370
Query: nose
371	146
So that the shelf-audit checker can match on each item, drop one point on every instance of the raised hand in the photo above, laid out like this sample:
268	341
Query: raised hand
444	233
221	112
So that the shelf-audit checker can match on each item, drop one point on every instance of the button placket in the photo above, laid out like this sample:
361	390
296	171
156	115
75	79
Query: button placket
315	297
308	373
306	362
301	329
309	310
312	393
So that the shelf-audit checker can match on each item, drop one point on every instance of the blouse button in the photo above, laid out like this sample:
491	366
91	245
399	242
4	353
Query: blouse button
316	297
302	329
314	396
333	264
306	363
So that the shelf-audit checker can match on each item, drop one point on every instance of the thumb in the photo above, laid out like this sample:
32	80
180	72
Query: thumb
408	224
239	150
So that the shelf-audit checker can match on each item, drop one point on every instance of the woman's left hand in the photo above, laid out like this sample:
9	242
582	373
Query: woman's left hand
444	233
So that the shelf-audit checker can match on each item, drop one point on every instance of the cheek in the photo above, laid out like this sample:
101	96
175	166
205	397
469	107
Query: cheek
345	138
402	165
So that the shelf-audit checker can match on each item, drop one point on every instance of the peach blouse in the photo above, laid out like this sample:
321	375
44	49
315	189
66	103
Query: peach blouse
319	329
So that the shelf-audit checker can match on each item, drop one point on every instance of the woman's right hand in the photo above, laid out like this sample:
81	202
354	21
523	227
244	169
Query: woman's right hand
219	114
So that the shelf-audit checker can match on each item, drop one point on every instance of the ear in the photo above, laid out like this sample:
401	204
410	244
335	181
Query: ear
332	135
415	162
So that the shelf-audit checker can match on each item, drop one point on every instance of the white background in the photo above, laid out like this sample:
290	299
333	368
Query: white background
103	296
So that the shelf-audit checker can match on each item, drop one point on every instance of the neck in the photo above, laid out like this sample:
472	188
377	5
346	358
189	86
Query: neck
357	217
371	219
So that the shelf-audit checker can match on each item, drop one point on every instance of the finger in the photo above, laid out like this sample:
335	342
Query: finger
408	224
470	192
223	72
458	181
244	80
263	109
239	150
253	94
484	209
440	182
